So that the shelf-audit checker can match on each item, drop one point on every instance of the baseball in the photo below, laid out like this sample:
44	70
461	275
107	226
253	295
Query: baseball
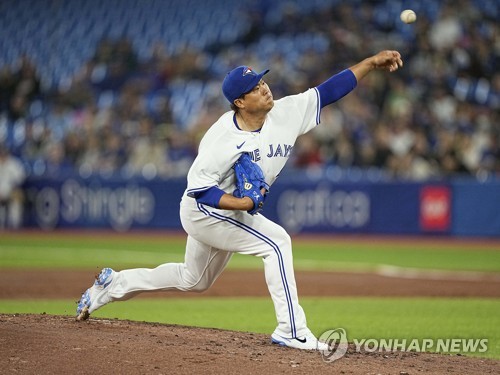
408	16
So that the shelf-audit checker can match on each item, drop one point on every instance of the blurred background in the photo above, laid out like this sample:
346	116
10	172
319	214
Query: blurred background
103	103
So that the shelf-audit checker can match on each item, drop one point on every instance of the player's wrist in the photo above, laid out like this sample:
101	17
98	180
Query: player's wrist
371	63
248	204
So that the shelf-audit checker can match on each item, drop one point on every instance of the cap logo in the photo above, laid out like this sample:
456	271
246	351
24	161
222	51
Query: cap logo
239	81
249	71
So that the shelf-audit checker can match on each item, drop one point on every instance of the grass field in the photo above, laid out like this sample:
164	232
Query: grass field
362	317
87	251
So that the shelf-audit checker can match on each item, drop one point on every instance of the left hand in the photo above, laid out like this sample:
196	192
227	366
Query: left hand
250	182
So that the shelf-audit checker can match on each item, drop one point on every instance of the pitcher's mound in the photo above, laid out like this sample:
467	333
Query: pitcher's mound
46	344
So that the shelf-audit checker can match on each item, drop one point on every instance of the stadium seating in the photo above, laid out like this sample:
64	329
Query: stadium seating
62	37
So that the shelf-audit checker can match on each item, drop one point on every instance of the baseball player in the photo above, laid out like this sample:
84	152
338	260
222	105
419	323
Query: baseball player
220	207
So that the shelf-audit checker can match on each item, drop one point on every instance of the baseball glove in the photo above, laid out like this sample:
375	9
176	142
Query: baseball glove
249	182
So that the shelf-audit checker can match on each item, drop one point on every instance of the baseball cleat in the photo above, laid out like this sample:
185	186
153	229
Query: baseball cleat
96	296
307	342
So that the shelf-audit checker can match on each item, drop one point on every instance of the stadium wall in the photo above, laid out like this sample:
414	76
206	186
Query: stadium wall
305	205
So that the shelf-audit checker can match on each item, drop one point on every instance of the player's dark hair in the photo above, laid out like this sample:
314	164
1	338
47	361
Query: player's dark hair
234	107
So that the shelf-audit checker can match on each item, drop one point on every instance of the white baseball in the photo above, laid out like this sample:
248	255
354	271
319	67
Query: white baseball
408	16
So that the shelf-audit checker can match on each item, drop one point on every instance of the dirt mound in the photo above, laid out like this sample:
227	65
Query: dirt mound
46	344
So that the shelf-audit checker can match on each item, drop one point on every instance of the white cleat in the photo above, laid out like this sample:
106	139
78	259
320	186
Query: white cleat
96	296
307	342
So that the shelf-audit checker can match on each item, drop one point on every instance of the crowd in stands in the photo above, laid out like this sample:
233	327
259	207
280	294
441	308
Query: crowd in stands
437	117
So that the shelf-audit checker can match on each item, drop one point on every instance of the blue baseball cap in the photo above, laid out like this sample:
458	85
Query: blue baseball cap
239	81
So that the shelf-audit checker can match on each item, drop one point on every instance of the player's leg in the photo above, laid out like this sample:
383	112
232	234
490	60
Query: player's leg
202	265
258	236
273	244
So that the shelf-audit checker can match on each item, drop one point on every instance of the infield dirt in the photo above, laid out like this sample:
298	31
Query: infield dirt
46	344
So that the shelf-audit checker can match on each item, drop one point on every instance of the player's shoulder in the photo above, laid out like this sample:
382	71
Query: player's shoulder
290	100
221	129
288	103
219	126
223	122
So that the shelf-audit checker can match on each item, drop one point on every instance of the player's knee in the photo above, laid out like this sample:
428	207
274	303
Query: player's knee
282	245
198	287
284	241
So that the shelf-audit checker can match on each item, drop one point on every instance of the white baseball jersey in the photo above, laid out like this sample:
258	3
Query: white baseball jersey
214	235
270	147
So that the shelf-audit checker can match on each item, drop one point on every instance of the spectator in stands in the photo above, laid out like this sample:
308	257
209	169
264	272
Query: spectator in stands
306	152
22	86
56	164
450	88
147	156
11	194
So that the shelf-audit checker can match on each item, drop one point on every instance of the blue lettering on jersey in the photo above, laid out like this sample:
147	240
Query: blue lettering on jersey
279	150
274	152
255	155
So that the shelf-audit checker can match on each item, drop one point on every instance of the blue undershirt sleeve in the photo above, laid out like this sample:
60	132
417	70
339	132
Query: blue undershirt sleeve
211	197
336	87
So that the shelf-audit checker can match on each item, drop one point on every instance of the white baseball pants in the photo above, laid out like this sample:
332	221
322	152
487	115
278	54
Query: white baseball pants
213	237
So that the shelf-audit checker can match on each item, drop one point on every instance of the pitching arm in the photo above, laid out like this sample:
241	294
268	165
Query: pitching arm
336	87
385	60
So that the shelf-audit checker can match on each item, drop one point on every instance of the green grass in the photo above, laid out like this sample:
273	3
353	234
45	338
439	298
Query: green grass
396	318
362	318
90	251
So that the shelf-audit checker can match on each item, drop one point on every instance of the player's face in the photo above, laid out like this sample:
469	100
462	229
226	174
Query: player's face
260	98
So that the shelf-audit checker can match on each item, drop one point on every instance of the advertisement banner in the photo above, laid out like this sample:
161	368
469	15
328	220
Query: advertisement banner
103	203
327	207
300	205
435	208
476	208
